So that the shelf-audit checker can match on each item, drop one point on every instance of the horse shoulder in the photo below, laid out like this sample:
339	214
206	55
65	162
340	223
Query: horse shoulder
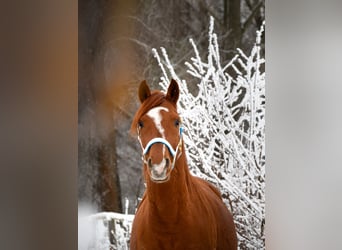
138	223
210	186
222	218
209	193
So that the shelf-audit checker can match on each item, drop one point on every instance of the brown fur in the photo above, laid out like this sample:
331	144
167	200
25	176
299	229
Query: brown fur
184	212
155	100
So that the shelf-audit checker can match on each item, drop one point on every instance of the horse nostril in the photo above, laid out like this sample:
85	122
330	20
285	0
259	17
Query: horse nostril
167	162
149	162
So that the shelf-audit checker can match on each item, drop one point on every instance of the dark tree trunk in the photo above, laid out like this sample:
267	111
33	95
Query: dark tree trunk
108	183
98	180
234	21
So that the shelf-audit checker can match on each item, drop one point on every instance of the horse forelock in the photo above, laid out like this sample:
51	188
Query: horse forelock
156	99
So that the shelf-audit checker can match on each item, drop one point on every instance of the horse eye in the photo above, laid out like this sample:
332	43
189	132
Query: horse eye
140	124
176	123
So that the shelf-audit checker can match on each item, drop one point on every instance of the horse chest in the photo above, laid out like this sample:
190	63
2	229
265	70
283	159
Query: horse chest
181	235
174	241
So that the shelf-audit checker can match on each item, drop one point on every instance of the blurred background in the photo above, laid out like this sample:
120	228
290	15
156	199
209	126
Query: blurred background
39	99
116	39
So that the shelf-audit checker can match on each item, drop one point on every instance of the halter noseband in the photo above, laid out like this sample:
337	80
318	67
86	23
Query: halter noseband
166	143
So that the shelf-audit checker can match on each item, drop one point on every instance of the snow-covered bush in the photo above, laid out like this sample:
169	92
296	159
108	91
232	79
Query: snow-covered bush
224	130
103	230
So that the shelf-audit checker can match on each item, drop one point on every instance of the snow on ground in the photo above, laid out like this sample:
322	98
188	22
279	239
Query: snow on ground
104	230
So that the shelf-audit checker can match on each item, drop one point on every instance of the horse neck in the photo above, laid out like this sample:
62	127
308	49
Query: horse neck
167	199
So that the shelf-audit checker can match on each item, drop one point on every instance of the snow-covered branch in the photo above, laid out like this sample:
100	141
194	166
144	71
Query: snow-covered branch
225	129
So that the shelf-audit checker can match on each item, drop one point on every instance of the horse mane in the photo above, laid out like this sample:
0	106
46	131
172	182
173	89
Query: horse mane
155	100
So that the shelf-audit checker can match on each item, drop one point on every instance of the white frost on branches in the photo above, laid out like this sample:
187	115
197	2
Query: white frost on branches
224	126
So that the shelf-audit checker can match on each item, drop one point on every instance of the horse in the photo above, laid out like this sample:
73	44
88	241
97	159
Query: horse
178	210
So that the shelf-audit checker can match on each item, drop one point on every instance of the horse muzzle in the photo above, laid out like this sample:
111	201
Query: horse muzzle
159	172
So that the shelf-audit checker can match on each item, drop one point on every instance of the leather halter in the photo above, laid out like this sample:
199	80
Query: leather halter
166	143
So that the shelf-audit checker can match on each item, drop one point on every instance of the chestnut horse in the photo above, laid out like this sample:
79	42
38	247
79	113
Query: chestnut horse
178	210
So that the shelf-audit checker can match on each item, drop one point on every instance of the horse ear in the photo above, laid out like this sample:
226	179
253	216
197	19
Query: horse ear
173	92
144	91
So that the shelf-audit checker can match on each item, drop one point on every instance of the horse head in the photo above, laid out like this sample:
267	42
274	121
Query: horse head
159	131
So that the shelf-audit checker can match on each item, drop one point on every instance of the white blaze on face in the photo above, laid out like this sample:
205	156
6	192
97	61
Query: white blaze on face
160	168
155	115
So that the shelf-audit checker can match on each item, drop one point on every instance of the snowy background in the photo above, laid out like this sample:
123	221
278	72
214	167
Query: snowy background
224	135
215	50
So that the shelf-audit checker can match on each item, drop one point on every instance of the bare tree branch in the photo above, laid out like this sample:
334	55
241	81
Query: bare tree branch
251	16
